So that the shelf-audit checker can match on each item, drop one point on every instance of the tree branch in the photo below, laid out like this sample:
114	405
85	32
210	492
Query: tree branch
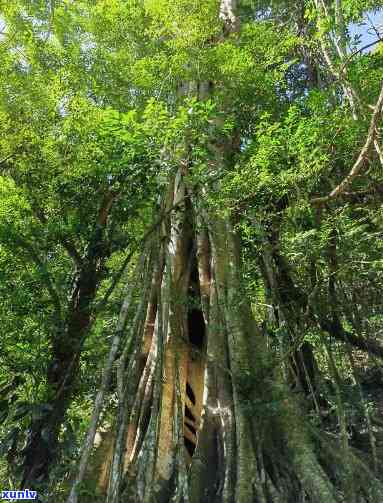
3	161
336	330
45	274
363	155
71	249
358	51
67	244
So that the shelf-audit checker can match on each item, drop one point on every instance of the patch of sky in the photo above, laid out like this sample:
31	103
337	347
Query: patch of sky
3	28
365	35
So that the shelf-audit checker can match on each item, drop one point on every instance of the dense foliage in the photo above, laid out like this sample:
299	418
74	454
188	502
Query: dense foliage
100	103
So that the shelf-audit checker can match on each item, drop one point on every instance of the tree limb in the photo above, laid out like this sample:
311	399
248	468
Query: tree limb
71	249
363	155
358	51
45	274
67	244
3	161
335	330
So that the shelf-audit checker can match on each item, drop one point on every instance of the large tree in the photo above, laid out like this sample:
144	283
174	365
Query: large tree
206	411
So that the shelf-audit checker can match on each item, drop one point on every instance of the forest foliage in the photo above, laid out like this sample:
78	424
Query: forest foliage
100	103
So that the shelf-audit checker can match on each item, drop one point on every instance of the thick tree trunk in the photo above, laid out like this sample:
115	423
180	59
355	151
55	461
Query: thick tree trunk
206	413
209	415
